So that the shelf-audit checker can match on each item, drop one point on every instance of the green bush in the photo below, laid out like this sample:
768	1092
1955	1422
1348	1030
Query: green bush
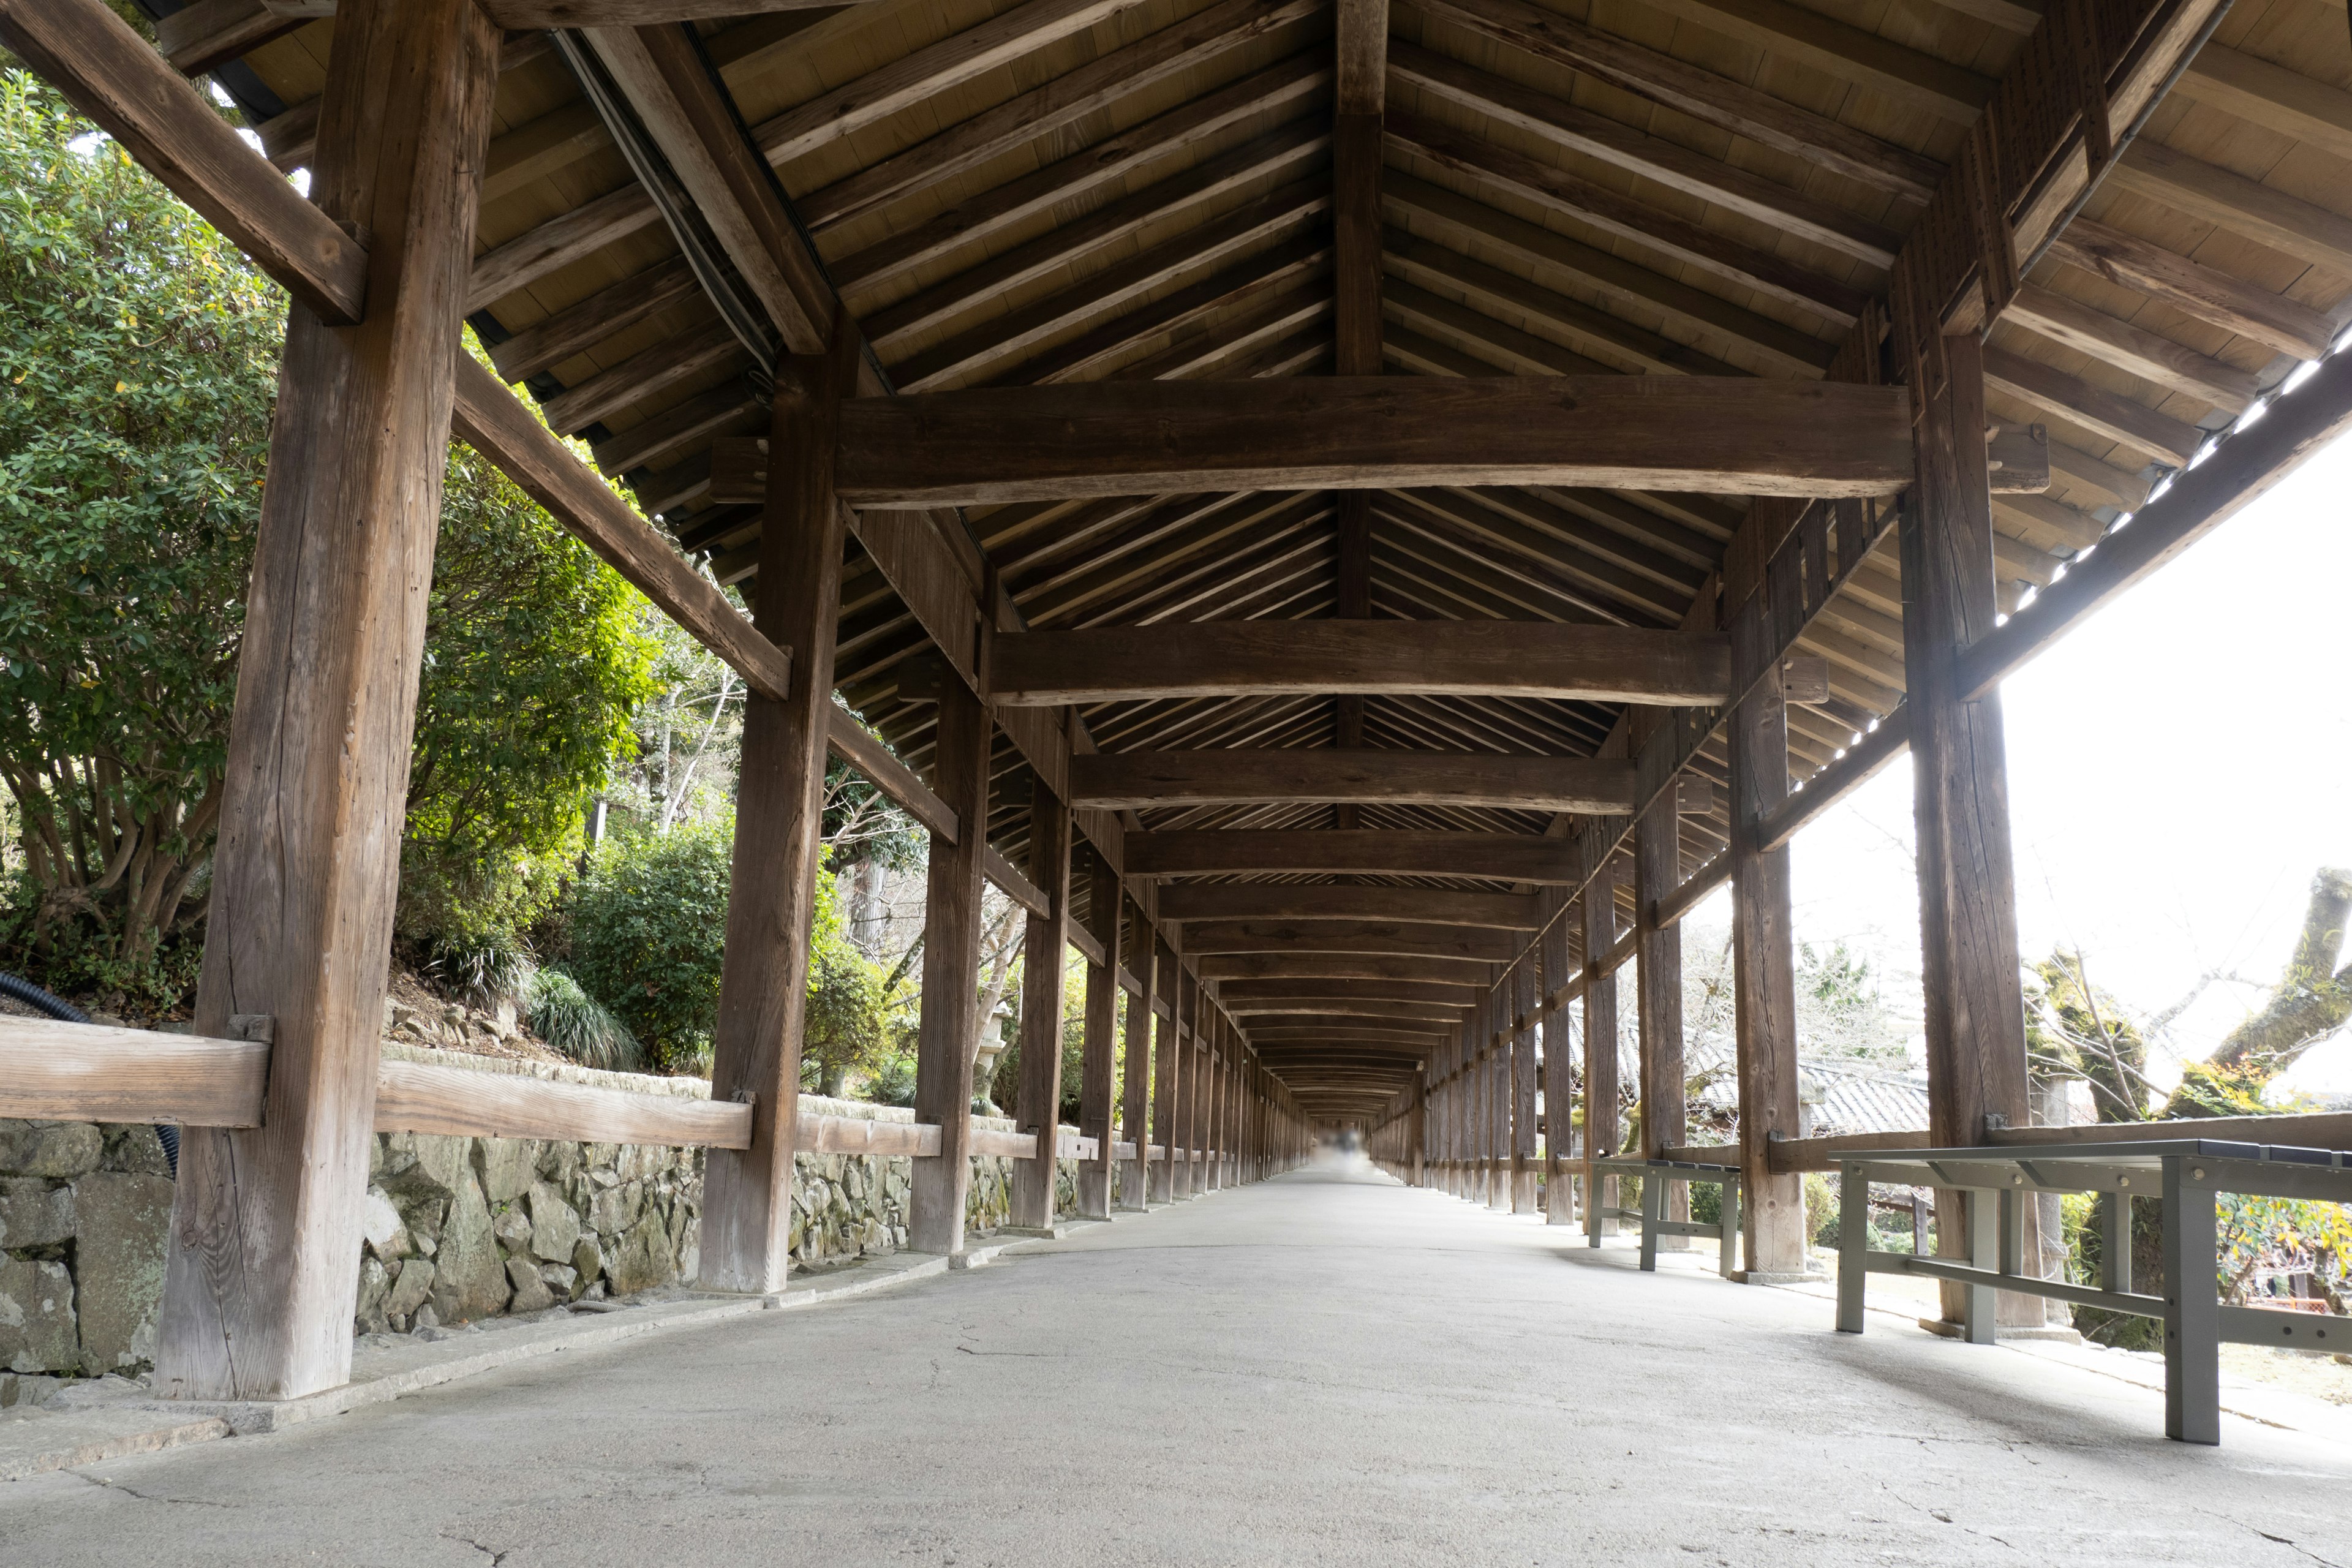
579	1026
648	933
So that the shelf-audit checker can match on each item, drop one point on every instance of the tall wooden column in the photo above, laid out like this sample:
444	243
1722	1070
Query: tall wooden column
949	1033
1601	1129
1188	1086
779	819
1417	1138
1523	1089
1170	984
1135	1091
1499	1088
1772	1208
1096	1066
1658	997
265	1236
1558	1097
1044	951
1967	909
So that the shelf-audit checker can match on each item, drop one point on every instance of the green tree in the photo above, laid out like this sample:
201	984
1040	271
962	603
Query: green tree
648	933
140	353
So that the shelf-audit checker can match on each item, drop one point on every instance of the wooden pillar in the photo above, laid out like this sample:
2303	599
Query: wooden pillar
1601	1129
1658	997
1523	1087
1169	984
1188	1085
1558	1094
1968	914
1772	1208
949	1033
1417	1133
1498	1089
265	1236
1044	951
1098	1063
1135	1091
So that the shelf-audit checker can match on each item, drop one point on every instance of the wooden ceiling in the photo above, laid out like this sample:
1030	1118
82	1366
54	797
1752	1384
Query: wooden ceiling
1028	192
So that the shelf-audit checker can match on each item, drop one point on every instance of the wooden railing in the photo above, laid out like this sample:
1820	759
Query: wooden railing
80	1072
2315	1130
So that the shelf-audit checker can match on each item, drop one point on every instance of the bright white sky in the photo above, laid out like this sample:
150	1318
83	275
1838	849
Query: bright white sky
2179	767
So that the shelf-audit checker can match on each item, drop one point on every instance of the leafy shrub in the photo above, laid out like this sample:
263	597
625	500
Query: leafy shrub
579	1026
648	935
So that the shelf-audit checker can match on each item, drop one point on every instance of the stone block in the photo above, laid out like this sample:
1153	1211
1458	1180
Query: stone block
122	1221
469	1279
35	1213
385	1232
54	1149
369	1316
36	1316
507	1167
643	1260
586	1258
530	1292
555	1224
512	1227
560	1278
614	1209
132	1146
28	1389
410	1288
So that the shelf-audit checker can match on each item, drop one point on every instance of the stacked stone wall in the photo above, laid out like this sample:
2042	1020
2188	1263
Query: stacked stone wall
455	1228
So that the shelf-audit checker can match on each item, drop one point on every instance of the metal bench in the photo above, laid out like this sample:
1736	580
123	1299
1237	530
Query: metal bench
1651	1216
2184	1173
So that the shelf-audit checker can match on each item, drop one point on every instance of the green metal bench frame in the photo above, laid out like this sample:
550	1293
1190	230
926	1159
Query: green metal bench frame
1651	1216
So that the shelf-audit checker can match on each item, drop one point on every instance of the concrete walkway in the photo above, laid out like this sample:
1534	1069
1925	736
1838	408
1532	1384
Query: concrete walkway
1322	1369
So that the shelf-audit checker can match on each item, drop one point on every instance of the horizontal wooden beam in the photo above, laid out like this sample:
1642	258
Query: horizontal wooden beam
1848	773
1325	1007
1461	659
1234	993
1138	780
1014	885
424	1097
816	1134
1697	434
88	1072
1499	857
1289	901
1404	938
854	743
1471	977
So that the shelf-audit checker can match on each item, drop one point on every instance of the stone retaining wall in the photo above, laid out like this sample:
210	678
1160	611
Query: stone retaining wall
455	1228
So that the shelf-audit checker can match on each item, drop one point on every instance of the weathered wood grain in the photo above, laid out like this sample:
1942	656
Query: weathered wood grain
1499	857
1698	434
84	1072
1141	780
1180	903
1225	658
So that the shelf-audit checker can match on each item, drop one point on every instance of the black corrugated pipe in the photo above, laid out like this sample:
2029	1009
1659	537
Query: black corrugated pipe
57	1007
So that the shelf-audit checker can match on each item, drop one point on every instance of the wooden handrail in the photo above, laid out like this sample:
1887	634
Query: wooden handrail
425	1097
88	1072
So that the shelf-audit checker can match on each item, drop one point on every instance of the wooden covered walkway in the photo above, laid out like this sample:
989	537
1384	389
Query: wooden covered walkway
1356	516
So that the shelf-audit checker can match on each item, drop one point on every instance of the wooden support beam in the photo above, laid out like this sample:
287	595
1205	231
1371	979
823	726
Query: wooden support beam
779	812
455	1101
1497	857
1180	903
1402	938
2134	349
266	1223
1045	951
854	743
2094	408
1096	1066
1167	1045
1255	1011
1237	994
2145	267
1552	970
1704	434
1014	885
1905	76
1139	780
1658	982
1772	1208
1975	1014
1136	1070
948	1032
1343	966
2287	224
1221	659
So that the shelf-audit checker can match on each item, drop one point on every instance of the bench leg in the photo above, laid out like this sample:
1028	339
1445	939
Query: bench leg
1854	1248
2114	1242
1654	1209
1727	1258
1984	1252
2192	1312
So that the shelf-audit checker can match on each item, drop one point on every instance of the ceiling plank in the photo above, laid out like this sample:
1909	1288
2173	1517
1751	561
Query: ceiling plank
1499	857
1141	780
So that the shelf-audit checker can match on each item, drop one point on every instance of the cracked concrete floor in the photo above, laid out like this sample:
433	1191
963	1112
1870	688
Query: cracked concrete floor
1320	1369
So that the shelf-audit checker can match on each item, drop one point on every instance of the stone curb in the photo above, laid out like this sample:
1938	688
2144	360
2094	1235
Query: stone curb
108	1426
